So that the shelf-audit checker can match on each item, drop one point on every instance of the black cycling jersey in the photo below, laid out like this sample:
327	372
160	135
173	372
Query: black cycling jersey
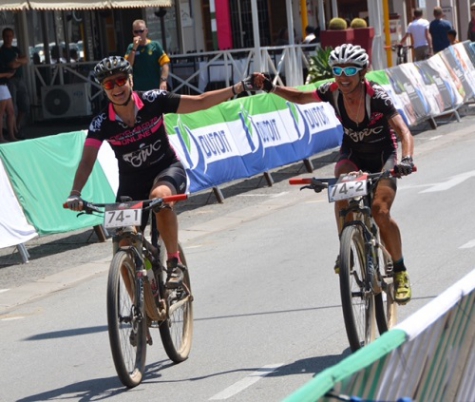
373	134
144	147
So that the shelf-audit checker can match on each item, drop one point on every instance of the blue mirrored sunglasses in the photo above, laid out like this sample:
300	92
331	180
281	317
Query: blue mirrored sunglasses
349	71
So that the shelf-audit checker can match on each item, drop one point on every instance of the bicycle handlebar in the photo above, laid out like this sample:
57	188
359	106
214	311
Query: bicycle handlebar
90	207
320	184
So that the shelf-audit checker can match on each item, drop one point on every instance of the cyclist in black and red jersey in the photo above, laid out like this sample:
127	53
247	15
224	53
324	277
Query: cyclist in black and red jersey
370	124
133	124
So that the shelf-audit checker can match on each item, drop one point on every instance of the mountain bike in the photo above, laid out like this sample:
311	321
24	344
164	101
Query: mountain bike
366	267
137	298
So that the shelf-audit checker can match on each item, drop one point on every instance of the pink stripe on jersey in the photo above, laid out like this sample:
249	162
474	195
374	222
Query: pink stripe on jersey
93	142
138	102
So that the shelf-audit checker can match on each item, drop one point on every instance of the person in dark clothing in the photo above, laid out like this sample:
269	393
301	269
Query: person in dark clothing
471	24
438	29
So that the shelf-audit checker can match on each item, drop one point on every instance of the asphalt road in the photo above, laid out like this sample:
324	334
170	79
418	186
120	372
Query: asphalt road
267	308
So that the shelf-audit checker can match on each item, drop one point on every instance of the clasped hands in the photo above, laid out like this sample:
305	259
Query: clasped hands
258	81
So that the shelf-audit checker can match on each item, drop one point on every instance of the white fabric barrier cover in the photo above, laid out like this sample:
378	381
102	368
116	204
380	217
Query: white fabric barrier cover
14	228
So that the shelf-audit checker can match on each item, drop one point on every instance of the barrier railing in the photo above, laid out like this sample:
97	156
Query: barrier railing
430	356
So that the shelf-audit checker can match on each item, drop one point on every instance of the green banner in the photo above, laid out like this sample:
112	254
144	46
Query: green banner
42	172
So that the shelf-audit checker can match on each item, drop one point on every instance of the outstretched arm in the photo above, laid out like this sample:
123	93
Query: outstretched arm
195	103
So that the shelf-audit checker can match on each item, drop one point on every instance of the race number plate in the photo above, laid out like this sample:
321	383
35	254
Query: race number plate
347	187
123	214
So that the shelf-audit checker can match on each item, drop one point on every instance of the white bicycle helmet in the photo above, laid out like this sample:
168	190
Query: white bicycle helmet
110	66
349	54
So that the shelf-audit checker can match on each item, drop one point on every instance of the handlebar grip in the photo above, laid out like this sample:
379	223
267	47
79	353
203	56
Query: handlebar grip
65	205
300	181
174	198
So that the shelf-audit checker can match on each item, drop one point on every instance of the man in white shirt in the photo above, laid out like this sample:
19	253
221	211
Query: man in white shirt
418	30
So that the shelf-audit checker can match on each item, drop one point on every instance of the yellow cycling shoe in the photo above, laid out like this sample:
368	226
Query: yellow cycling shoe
402	287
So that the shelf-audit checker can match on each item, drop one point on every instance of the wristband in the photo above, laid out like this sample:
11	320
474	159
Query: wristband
75	191
234	91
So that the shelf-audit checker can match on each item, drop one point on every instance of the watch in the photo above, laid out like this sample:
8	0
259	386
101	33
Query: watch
163	79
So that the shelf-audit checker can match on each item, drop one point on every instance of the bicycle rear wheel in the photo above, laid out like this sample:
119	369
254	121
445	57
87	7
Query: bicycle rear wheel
126	320
357	303
177	330
386	307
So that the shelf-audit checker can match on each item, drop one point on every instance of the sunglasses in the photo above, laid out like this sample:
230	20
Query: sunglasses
139	31
120	82
349	71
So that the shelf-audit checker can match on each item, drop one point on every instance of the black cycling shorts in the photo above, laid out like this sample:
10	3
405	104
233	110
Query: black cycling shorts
372	162
139	186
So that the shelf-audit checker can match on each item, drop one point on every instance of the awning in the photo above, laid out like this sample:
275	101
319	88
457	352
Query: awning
139	3
89	4
13	5
18	5
68	5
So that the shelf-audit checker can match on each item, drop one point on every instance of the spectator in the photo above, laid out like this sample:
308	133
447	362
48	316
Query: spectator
471	24
12	58
452	35
438	29
6	104
310	36
150	63
418	30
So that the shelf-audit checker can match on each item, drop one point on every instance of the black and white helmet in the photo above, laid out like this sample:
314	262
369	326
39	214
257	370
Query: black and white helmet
110	66
349	54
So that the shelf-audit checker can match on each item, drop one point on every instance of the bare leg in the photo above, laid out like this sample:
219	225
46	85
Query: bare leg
390	234
167	222
11	120
2	112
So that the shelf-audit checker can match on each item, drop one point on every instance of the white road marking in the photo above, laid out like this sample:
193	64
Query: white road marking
12	318
454	181
245	382
470	244
437	136
4	290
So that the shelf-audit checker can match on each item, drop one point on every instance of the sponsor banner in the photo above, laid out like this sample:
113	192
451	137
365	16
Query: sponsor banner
250	136
411	98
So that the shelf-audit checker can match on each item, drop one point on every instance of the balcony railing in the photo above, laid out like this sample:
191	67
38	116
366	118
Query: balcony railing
190	73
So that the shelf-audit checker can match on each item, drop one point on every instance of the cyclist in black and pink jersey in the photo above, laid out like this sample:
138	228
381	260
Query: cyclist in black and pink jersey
133	124
370	124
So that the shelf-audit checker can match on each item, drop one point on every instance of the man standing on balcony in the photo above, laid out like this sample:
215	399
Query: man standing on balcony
149	61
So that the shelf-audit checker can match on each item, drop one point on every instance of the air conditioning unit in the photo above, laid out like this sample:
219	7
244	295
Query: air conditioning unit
70	100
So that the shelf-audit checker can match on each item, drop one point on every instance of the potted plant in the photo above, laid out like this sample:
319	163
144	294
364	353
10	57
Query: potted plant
318	68
363	35
337	34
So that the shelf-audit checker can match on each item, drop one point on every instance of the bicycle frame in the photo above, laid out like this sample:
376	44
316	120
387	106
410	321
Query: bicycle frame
135	302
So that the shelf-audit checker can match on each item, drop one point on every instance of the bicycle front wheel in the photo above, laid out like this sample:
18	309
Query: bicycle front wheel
177	330
356	298
126	320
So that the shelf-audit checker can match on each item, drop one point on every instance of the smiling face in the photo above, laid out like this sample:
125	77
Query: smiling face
118	88
347	83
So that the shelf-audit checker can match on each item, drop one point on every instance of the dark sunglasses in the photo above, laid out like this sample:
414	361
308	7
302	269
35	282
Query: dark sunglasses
120	82
349	71
139	31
